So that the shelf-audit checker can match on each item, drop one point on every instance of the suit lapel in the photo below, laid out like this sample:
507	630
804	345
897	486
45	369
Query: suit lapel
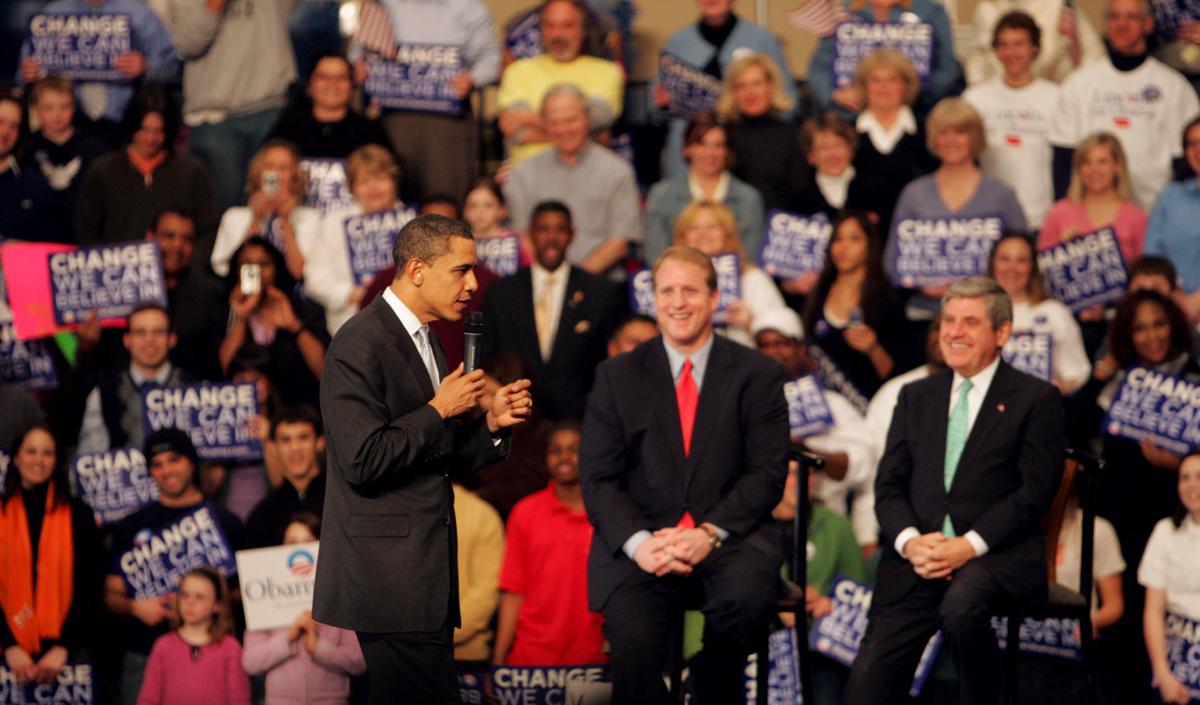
989	415
404	343
661	387
937	415
712	397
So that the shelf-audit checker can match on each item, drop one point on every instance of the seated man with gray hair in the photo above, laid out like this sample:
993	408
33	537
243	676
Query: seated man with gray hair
973	460
596	185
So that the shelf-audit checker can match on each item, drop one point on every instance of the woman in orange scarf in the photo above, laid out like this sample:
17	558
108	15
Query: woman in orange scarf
47	595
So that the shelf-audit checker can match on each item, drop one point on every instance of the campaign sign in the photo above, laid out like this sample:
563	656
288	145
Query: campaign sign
500	254
81	47
838	634
1047	637
550	685
1085	271
855	39
419	79
1031	353
931	251
369	240
108	279
326	188
114	483
729	283
160	556
833	378
808	412
641	292
277	583
690	89
783	679
1156	406
1183	651
794	245
28	363
219	417
73	686
524	41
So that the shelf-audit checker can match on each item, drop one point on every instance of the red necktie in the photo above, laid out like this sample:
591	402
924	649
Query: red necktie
686	397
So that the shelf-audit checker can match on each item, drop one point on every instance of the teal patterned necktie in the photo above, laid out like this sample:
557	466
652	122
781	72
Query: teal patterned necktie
956	439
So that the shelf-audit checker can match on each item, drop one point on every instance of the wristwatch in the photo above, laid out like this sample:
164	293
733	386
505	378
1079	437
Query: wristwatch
713	537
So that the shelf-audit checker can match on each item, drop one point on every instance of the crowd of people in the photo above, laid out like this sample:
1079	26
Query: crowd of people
211	147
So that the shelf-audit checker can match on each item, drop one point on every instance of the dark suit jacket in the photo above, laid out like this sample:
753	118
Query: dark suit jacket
1006	480
633	470
590	309
388	546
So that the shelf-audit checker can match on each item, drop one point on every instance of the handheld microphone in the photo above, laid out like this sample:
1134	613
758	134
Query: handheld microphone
472	336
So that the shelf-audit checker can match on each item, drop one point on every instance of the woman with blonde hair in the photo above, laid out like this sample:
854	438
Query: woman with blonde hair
765	145
709	226
274	210
1100	196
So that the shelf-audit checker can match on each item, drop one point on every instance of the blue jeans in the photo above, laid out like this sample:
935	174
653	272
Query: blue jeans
227	147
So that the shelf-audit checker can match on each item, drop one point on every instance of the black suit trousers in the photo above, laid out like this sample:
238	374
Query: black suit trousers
735	587
410	667
897	633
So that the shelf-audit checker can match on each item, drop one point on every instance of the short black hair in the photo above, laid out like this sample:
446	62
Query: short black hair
152	99
633	317
426	238
335	55
441	197
552	207
1153	266
150	306
175	210
295	414
1018	20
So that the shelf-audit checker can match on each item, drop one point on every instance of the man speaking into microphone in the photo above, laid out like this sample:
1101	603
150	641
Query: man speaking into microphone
397	425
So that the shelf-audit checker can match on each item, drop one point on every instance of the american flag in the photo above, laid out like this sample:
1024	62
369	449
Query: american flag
374	31
818	16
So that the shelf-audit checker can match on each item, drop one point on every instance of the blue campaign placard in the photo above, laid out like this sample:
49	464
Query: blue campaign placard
1183	651
29	363
108	279
1156	406
219	417
808	411
641	292
500	254
794	245
524	41
834	378
80	46
1047	637
729	283
690	89
417	80
783	678
75	685
1031	352
551	685
161	555
114	483
326	188
838	634
1085	271
369	240
932	251
855	39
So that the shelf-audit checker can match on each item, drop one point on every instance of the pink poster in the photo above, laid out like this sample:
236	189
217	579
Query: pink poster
27	283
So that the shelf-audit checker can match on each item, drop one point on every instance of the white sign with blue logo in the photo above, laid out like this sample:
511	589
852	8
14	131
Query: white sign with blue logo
1183	651
114	483
501	254
326	188
1085	271
108	279
419	79
933	251
277	583
783	679
74	685
1047	637
1031	352
729	283
1158	407
855	39
641	292
794	245
524	41
690	89
838	634
369	240
218	417
161	556
808	411
81	47
28	363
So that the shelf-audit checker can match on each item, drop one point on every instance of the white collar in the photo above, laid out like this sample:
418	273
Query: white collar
982	380
408	319
885	139
719	194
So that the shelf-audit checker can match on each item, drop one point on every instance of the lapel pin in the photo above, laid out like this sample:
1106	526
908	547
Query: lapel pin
583	327
1000	408
577	298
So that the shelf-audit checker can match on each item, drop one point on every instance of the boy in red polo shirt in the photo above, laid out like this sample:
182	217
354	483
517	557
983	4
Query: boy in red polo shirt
544	619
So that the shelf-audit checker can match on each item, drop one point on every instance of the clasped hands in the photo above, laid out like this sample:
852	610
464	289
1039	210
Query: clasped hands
935	557
673	549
